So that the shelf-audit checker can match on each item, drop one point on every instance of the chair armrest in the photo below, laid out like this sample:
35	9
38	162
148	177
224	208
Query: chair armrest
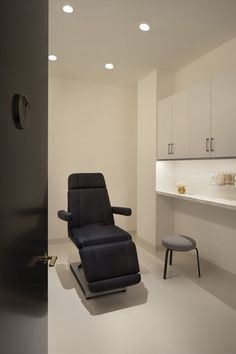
65	215
121	211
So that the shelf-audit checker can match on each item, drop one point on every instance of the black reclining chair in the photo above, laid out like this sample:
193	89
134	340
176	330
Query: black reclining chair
108	255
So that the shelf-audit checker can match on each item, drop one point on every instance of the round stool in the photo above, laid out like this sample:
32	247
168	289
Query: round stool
179	243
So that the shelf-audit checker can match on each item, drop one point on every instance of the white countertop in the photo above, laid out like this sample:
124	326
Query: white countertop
220	202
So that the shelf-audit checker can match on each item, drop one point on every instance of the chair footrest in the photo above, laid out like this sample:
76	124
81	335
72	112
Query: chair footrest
109	260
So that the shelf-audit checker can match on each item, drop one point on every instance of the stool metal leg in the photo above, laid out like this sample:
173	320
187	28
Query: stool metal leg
198	263
171	252
166	263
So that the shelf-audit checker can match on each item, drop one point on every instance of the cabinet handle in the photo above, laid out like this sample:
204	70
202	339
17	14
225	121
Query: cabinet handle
172	150
207	144
169	152
212	144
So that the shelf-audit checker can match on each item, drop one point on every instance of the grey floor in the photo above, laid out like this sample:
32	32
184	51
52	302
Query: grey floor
180	315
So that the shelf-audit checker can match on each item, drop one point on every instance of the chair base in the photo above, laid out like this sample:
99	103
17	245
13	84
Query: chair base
80	277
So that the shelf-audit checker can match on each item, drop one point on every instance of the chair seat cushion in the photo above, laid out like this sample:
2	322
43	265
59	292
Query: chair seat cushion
95	234
179	242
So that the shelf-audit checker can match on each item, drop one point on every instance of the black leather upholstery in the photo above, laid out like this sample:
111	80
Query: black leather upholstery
95	234
121	211
89	206
65	215
114	283
86	180
108	254
110	260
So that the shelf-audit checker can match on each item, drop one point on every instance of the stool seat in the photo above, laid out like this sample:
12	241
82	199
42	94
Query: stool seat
179	243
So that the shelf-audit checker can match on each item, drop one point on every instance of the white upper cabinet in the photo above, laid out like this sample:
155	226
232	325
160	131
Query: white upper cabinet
180	125
224	116
200	120
164	130
173	127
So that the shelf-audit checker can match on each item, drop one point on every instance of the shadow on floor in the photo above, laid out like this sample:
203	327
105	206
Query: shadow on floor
216	281
134	296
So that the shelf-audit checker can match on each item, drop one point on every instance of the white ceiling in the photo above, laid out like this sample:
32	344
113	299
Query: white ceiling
101	31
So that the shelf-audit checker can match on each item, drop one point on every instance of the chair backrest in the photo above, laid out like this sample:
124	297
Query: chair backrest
88	200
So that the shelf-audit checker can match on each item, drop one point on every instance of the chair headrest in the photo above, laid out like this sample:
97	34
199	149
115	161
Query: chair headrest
86	180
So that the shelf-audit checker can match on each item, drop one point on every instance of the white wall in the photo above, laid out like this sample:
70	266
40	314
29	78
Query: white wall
218	61
214	228
146	198
92	128
165	83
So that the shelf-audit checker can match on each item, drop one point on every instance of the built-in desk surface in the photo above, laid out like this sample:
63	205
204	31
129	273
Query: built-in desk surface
220	202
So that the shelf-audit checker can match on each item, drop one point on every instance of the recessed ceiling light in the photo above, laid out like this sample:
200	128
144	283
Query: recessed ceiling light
68	9
52	57
144	27
109	66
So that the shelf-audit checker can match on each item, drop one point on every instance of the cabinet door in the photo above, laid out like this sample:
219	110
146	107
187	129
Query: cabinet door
180	125
164	128
224	116
200	119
